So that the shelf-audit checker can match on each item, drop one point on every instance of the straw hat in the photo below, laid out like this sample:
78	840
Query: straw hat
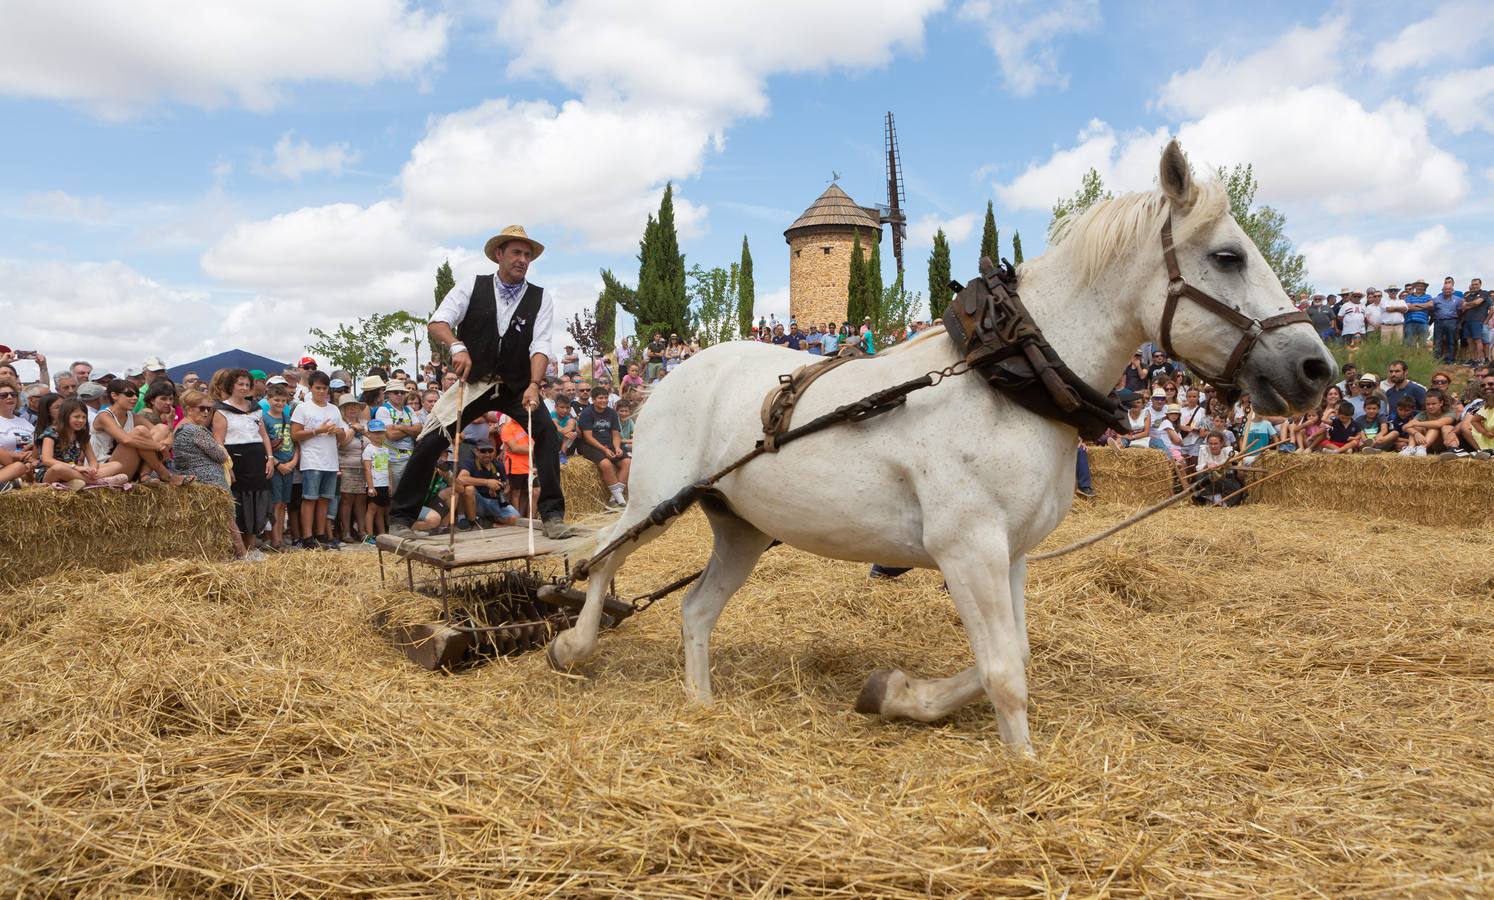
511	233
370	383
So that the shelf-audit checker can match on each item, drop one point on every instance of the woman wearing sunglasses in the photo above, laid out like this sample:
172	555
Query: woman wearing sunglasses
123	447
196	453
17	455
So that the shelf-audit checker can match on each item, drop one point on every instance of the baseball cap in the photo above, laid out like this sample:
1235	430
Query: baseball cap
134	372
306	361
337	384
257	374
375	424
89	390
154	364
278	379
484	444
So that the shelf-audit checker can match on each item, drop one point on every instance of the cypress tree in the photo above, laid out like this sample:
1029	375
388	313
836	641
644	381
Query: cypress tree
874	286
856	290
990	238
445	281
746	291
939	292
662	302
1016	248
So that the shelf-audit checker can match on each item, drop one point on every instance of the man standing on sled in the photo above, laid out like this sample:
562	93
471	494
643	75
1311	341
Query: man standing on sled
498	329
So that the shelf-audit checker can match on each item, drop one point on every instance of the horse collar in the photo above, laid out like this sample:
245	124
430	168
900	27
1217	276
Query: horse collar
1250	329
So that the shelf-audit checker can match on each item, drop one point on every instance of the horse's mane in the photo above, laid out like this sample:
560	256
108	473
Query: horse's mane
1111	228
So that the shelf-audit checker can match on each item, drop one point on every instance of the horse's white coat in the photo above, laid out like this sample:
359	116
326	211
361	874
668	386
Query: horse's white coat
960	478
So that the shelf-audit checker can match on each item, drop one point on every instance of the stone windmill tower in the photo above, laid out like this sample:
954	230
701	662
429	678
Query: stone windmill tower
820	254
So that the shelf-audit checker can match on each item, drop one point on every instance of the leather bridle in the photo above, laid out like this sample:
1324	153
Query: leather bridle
1250	329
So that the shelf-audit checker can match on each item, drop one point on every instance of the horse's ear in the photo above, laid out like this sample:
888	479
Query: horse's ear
1177	178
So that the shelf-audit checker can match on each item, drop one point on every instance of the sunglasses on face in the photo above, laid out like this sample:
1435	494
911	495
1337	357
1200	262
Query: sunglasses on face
1440	381
129	393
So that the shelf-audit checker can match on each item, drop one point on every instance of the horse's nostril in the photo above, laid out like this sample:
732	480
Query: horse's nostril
1315	370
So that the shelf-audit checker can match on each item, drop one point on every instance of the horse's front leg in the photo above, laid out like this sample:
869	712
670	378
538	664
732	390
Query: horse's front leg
980	578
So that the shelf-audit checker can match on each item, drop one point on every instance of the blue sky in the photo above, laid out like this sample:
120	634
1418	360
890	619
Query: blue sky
186	177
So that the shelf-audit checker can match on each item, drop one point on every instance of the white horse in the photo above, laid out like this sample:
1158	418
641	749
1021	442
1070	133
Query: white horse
960	478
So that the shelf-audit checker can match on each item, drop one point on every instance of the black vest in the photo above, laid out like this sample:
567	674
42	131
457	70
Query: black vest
505	357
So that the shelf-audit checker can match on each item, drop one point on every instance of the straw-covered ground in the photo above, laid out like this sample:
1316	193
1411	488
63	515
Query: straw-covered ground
1224	702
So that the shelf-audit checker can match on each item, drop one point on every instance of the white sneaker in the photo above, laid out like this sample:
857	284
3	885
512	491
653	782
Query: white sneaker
1420	451
1409	451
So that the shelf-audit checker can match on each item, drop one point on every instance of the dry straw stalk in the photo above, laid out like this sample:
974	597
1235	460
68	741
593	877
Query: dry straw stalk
1224	702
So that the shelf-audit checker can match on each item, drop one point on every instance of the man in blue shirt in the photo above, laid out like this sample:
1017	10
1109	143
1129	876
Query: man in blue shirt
1418	312
1397	385
1445	309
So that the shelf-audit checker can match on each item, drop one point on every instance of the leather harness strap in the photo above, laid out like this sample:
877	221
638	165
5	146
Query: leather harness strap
778	406
1250	329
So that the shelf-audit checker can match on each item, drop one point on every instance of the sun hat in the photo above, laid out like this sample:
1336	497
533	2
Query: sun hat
370	383
154	364
1174	408
1420	281
1159	393
394	386
1370	377
511	233
349	400
1393	287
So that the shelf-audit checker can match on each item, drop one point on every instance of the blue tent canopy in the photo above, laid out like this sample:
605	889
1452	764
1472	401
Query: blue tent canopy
228	359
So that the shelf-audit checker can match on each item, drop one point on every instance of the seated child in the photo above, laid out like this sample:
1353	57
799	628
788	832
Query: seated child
1370	425
1433	429
1396	436
1344	434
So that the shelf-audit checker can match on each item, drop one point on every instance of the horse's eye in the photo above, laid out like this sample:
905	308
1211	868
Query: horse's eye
1227	260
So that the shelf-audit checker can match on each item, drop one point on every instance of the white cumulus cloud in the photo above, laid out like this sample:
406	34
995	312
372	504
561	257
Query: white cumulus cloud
956	228
1430	253
1295	59
120	58
294	158
1448	34
1464	100
1024	33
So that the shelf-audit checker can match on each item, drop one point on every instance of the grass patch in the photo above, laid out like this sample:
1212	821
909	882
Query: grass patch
1374	356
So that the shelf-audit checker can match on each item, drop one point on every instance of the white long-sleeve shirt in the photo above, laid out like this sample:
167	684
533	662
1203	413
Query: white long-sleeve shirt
454	308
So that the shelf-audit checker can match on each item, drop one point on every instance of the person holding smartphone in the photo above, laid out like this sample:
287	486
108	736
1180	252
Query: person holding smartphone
17	456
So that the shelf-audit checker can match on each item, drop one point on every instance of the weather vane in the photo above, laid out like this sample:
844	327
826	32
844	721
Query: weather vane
834	176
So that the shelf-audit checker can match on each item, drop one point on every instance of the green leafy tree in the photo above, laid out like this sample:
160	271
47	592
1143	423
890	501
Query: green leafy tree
713	293
606	315
1016	248
1091	191
660	302
614	296
1265	226
939	290
366	343
894	312
990	238
856	305
746	291
874	286
587	332
444	283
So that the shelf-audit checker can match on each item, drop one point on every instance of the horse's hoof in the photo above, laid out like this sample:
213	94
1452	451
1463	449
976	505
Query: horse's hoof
869	701
554	661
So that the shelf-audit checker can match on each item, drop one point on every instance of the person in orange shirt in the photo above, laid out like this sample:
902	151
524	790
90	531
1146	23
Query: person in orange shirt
517	447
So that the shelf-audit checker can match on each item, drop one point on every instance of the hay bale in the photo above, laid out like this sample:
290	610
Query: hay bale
47	531
1420	490
581	483
1134	476
1223	703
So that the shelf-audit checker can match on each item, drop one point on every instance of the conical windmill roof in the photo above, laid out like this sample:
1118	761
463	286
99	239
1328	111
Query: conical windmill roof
835	210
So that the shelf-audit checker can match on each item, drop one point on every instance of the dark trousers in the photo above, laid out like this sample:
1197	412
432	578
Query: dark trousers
416	483
1445	339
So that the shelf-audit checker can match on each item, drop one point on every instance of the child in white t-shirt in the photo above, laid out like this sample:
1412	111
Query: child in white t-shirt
376	476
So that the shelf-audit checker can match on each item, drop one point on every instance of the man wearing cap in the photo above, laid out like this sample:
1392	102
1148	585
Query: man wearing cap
92	396
1418	313
1393	316
1472	320
400	429
498	328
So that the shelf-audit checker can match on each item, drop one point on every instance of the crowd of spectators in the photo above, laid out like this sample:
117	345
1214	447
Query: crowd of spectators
312	457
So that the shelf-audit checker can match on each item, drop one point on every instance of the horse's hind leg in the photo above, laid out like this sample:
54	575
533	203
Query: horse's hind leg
736	550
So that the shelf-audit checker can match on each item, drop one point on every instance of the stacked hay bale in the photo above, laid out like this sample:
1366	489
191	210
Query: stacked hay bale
1132	476
46	531
581	483
1420	490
